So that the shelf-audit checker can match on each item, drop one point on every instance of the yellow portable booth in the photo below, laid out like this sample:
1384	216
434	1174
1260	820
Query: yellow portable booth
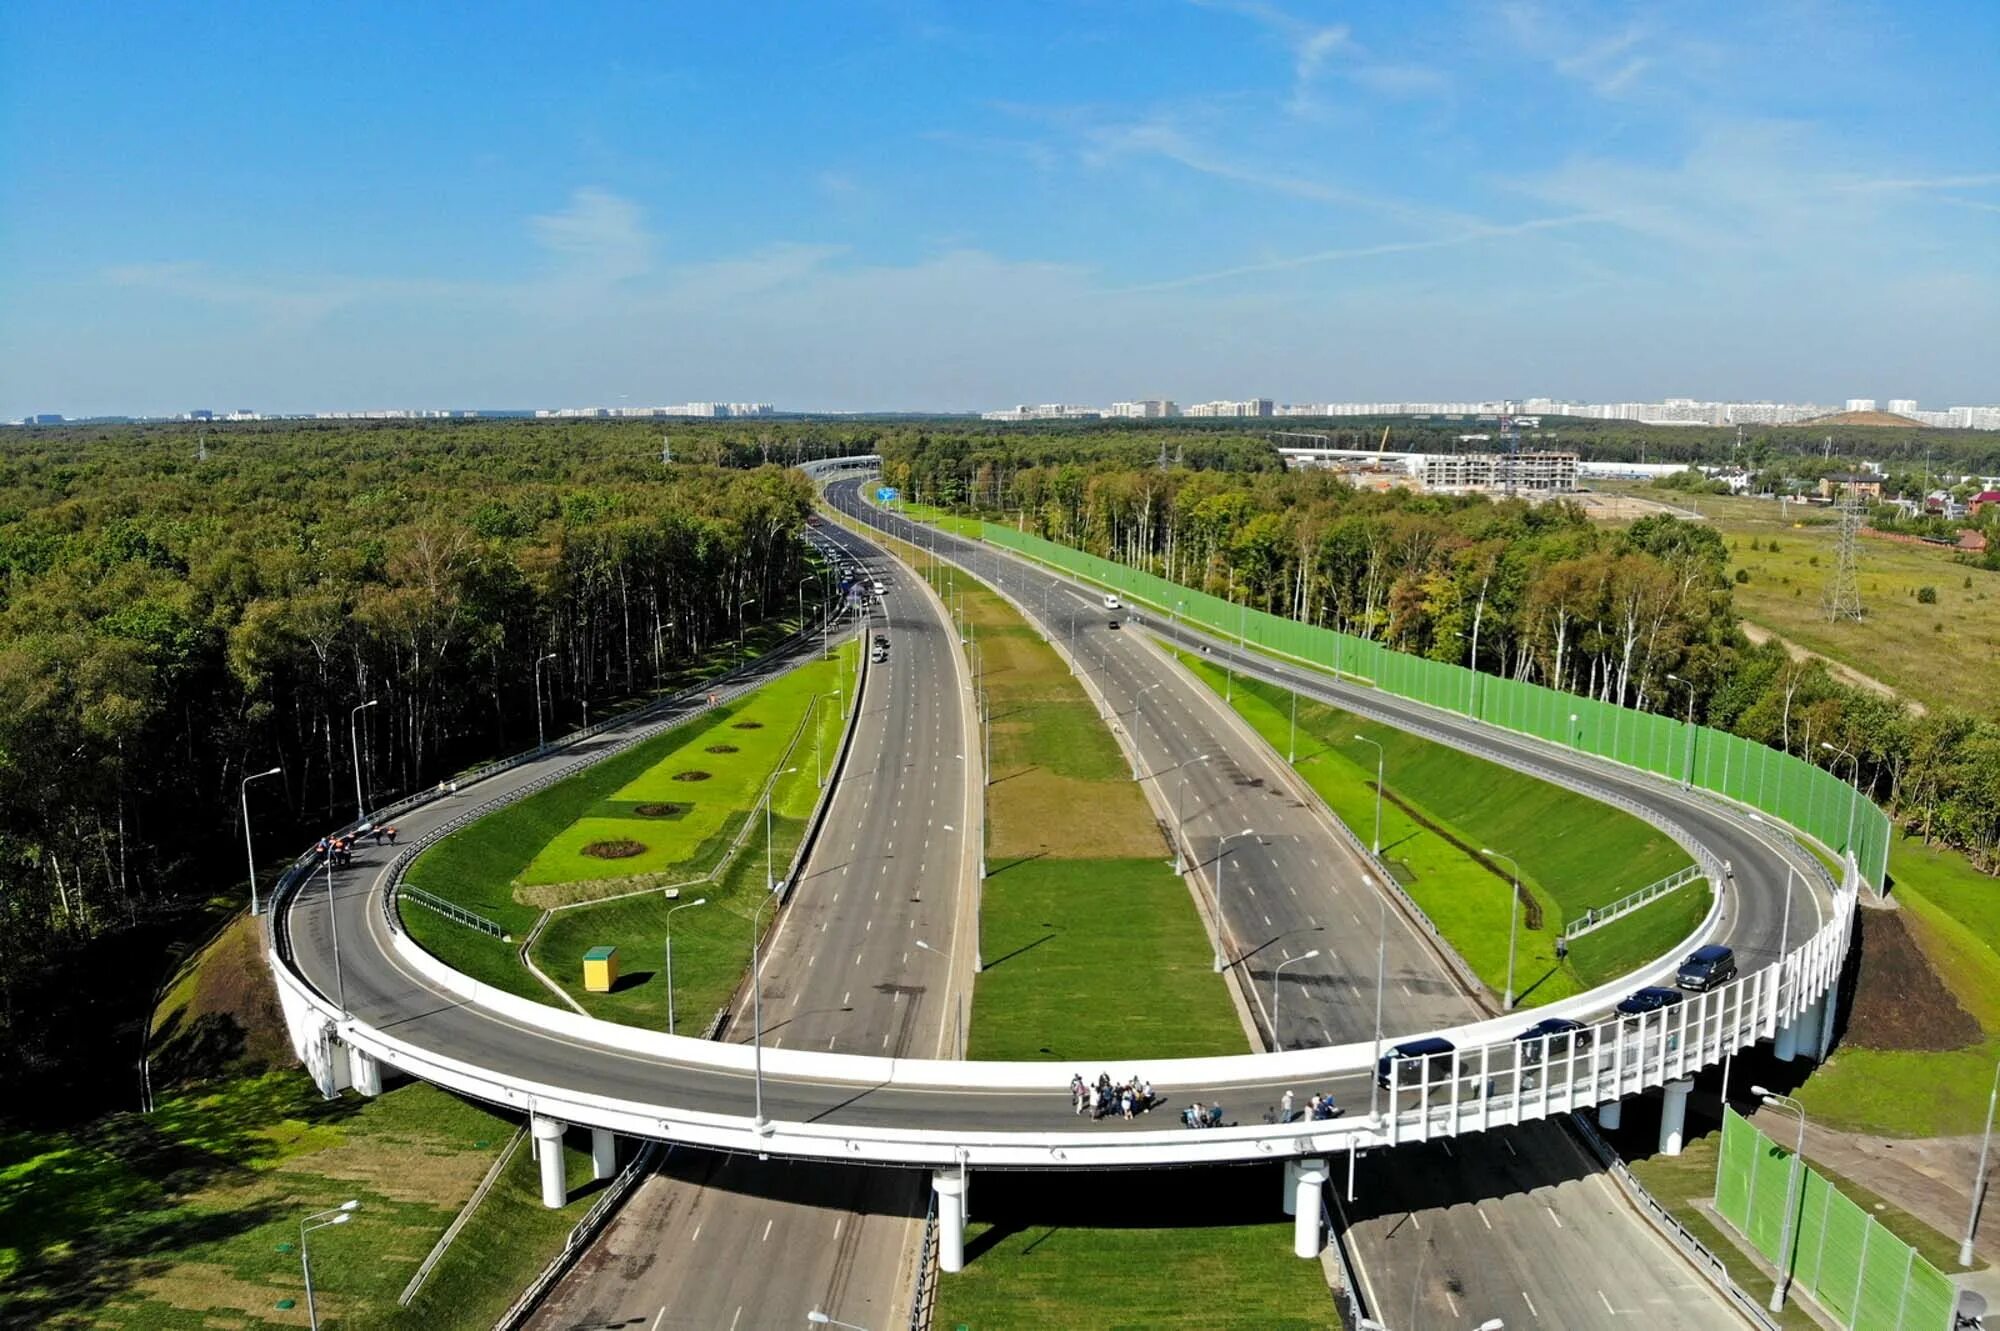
600	969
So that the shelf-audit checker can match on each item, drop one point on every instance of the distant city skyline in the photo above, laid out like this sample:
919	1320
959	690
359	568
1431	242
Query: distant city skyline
945	208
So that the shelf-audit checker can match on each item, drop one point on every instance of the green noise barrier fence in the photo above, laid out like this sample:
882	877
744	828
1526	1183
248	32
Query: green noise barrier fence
1856	1269
1789	789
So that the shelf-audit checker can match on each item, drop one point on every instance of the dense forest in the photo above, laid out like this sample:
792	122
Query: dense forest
1641	617
172	623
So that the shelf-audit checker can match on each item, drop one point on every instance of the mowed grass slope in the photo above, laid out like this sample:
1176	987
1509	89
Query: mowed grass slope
1093	947
1441	806
511	862
189	1216
1953	913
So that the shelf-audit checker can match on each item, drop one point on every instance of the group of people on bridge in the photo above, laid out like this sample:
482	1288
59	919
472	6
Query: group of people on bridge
1103	1096
340	849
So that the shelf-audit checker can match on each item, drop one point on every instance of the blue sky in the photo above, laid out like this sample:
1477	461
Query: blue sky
862	205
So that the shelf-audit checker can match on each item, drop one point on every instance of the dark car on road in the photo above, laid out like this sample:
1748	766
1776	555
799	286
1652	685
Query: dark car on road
1707	967
1651	999
1412	1057
1554	1028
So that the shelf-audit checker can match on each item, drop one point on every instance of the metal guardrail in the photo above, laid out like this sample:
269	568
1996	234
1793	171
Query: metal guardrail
453	911
580	1236
1599	916
1704	1261
451	1233
923	1292
1353	1311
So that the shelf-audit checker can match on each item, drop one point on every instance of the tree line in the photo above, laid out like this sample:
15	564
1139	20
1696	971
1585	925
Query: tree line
1641	617
171	623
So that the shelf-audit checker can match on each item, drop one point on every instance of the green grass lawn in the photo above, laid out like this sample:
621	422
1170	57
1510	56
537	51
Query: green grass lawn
1441	806
508	859
1097	959
1188	1248
188	1217
1953	911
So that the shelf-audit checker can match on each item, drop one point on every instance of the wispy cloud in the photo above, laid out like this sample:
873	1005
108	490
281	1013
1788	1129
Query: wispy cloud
600	237
1309	44
1352	253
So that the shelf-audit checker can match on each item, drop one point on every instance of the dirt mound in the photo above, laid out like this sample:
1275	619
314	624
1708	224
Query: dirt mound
695	775
659	810
721	748
1899	1001
220	1016
614	850
748	725
1866	418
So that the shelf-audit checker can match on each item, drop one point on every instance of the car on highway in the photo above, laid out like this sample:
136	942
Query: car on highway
1651	999
1707	967
1114	624
878	587
1111	602
1412	1057
1554	1029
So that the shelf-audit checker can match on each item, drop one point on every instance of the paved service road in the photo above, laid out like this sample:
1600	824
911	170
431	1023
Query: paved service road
1519	1223
714	1240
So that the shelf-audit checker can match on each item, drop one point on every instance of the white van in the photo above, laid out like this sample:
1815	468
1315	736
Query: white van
1111	601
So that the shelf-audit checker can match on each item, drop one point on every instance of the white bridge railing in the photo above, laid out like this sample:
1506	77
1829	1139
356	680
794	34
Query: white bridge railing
1599	916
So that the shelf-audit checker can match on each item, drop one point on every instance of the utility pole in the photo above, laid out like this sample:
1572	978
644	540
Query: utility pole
1843	590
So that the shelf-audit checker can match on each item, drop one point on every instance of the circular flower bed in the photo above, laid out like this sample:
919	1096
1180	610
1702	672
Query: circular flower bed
748	725
659	810
721	748
613	850
691	776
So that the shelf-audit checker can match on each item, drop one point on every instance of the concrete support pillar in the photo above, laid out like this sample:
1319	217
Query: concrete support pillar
1829	1013
1811	1023
603	1153
1306	1233
548	1136
1673	1115
1786	1046
1610	1114
1290	1198
366	1072
950	1186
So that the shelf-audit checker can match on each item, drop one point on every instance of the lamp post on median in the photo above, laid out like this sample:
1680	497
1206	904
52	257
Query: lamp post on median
1221	868
1687	776
1277	1040
1513	921
685	905
1381	766
541	742
1979	1179
1180	814
339	1215
354	746
243	791
1786	1255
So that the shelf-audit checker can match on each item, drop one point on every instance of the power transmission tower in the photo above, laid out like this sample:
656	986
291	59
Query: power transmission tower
201	447
1843	591
666	449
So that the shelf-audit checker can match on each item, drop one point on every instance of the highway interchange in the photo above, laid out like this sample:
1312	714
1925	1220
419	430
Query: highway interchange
1294	885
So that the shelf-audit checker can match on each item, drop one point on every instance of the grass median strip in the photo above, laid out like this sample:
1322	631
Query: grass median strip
1440	806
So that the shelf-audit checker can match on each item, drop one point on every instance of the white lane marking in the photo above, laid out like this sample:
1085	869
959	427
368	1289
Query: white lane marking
1482	1217
1553	1216
1510	1148
1607	1304
857	958
737	1318
844	997
697	1234
656	1318
838	1221
1531	1304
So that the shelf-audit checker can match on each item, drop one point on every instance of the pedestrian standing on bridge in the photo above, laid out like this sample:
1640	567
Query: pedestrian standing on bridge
1285	1106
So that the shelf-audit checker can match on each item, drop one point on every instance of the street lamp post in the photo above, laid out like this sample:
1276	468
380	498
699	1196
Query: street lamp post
333	924
818	1318
758	1123
1180	814
1979	1179
541	740
1687	776
1513	921
1221	869
243	791
1277	1040
685	905
1381	766
339	1215
1786	1235
1381	977
1292	746
354	746
1575	732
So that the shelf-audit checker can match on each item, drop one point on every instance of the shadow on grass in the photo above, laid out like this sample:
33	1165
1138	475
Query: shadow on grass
630	980
994	872
1540	980
1026	947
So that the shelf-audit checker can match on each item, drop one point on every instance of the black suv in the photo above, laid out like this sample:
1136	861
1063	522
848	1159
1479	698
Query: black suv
1707	967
